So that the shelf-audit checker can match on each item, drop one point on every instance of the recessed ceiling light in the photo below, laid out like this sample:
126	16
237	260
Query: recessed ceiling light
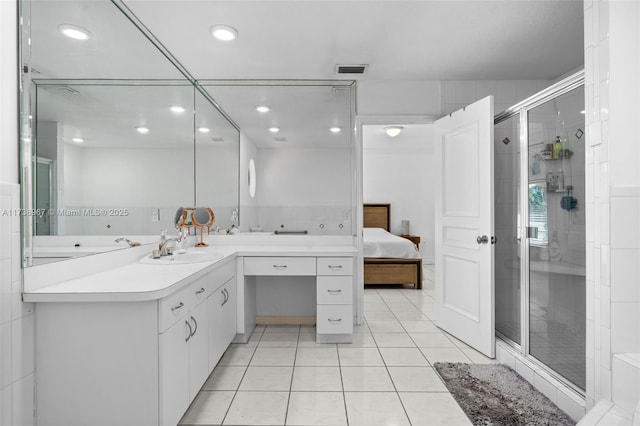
224	32
142	129
75	32
335	129
393	131
177	109
262	108
77	140
583	112
204	129
274	129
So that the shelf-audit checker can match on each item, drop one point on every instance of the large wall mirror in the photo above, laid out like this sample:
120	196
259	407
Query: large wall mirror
115	136
301	139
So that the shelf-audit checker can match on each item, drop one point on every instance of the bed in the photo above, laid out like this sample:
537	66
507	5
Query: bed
388	258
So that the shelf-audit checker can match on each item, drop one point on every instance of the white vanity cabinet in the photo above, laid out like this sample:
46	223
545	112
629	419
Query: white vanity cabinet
132	362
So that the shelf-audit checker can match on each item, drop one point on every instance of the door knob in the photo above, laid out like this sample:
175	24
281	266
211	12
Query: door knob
482	240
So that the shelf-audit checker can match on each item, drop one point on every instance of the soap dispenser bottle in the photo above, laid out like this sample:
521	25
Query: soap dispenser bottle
557	147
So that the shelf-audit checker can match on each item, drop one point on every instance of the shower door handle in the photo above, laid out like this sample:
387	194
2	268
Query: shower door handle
482	240
532	232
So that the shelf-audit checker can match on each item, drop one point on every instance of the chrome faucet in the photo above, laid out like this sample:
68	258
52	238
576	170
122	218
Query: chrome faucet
131	243
164	241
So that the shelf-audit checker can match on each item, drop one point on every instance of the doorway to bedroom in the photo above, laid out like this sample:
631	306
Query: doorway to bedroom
397	156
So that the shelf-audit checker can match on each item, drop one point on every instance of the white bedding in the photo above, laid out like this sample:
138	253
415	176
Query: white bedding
380	243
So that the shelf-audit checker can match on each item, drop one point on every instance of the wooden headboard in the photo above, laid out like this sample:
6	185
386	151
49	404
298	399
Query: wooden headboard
377	216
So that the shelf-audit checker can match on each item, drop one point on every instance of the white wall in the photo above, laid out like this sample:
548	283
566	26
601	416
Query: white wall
399	171
612	95
398	97
16	318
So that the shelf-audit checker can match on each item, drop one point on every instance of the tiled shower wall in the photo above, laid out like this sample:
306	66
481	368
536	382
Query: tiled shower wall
612	96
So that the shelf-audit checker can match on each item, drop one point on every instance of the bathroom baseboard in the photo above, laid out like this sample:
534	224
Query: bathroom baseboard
279	320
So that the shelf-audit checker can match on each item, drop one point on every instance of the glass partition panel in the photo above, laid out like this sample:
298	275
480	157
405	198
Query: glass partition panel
556	199
507	254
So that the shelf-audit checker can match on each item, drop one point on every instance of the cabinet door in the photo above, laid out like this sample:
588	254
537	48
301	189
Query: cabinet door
174	373
228	320
216	349
198	349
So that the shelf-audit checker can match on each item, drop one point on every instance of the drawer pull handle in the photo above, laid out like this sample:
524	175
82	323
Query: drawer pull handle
280	266
178	306
225	293
190	333
334	320
195	325
200	291
335	291
335	266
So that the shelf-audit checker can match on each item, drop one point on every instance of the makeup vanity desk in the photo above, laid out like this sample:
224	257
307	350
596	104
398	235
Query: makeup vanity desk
133	343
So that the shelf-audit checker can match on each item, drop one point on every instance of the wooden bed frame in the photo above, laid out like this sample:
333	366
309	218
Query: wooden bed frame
388	270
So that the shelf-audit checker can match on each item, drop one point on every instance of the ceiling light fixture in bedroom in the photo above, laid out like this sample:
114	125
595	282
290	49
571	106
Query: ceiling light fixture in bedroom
224	32
393	131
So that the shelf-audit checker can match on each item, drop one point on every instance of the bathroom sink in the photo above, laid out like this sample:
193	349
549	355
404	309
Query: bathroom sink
183	257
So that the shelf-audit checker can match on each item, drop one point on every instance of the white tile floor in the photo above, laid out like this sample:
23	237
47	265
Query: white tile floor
385	377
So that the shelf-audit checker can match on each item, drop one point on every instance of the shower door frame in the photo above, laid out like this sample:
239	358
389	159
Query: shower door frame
522	109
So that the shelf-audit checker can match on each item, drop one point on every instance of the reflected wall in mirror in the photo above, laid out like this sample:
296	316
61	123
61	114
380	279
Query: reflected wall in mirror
217	153
122	158
304	148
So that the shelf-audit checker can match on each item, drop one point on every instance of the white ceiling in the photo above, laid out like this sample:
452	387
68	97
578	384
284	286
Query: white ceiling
289	39
300	39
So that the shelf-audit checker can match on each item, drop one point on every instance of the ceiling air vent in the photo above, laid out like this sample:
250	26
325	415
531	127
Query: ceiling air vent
351	69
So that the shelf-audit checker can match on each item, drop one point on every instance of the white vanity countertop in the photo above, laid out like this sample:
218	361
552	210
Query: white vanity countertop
142	282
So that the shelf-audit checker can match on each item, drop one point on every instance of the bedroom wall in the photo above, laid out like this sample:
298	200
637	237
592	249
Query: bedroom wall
399	171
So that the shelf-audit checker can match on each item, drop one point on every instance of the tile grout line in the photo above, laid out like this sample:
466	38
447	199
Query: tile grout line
293	371
344	396
242	378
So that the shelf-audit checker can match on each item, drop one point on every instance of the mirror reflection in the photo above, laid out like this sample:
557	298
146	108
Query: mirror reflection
299	136
115	138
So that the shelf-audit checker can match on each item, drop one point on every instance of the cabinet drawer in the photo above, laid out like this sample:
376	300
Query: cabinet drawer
222	274
334	290
334	319
173	307
279	265
335	266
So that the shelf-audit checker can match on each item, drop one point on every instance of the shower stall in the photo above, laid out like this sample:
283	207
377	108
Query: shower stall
540	284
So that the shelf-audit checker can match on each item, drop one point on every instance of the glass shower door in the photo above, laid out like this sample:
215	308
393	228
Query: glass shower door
556	235
507	250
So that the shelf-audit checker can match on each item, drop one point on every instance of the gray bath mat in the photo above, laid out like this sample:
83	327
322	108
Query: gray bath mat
493	394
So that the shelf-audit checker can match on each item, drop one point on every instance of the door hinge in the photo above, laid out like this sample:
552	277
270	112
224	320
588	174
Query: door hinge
494	239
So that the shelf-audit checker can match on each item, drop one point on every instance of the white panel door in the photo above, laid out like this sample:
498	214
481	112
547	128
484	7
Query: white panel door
464	225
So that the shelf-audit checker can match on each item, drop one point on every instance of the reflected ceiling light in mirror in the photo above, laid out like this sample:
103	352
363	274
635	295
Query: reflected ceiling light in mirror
75	32
252	178
274	129
177	109
204	129
263	108
335	129
77	140
393	131
142	130
223	32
